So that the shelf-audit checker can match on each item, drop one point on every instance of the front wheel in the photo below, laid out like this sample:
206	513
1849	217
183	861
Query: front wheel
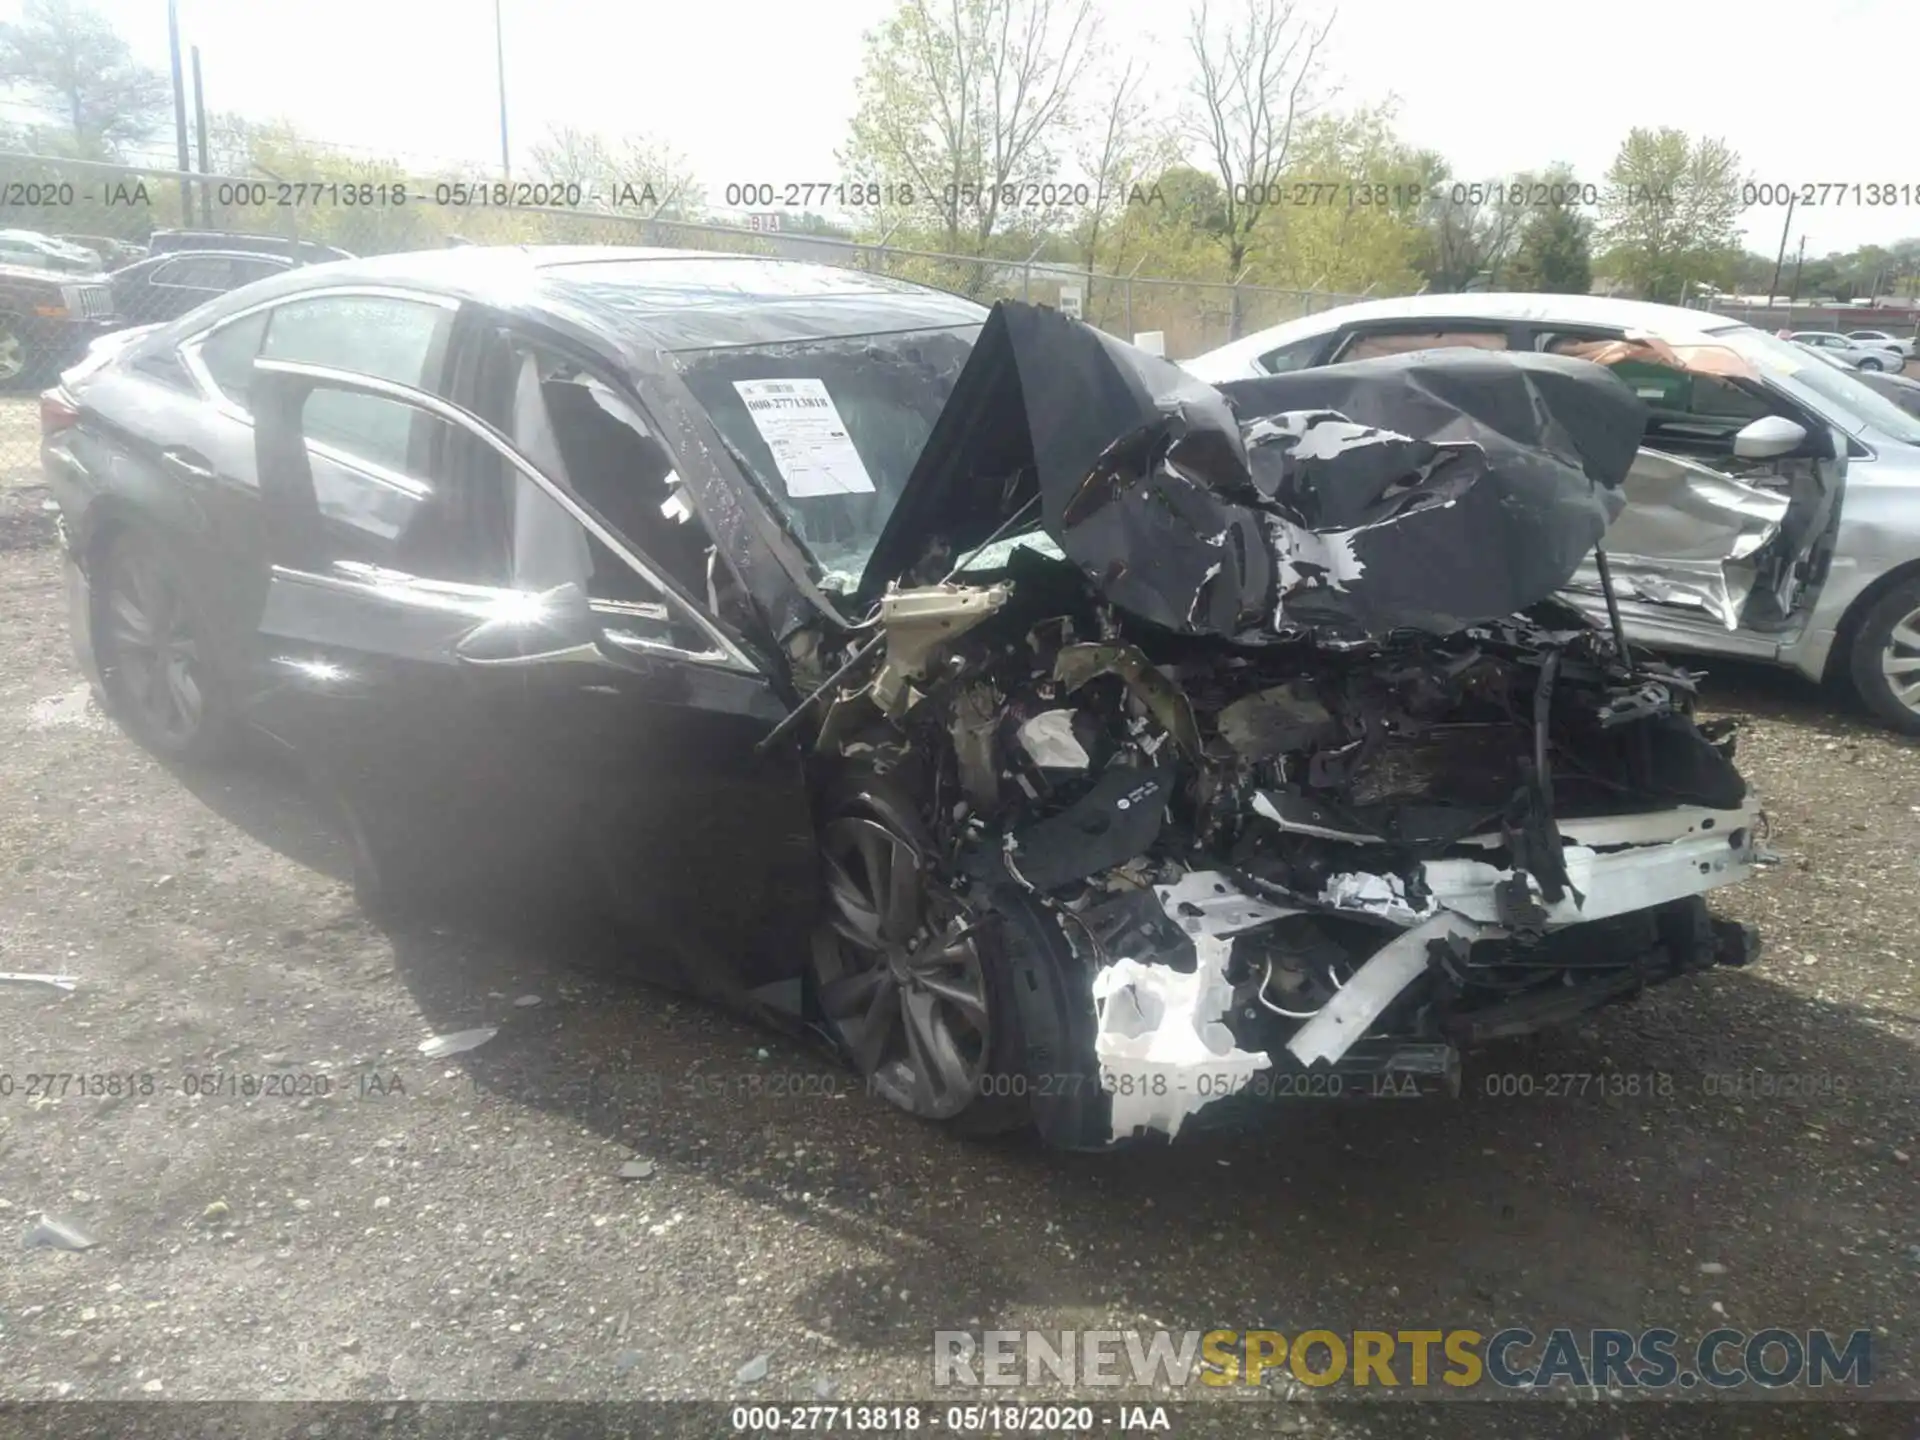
1885	660
906	976
19	365
1872	366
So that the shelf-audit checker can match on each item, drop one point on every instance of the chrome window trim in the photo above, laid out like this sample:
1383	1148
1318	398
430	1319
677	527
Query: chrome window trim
447	594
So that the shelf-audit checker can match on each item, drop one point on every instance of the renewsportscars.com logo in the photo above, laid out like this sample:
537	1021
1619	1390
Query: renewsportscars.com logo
1513	1359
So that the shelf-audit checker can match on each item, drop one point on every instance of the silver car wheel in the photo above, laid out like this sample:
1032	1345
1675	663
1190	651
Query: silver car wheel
899	972
13	350
1900	660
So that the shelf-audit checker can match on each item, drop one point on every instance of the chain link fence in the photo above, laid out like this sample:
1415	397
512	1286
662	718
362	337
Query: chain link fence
88	247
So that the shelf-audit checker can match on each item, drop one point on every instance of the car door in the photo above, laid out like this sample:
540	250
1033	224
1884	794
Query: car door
362	453
516	689
1724	538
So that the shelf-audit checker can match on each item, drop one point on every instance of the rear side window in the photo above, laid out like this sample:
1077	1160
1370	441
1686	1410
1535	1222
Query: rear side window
227	355
382	336
373	335
1399	342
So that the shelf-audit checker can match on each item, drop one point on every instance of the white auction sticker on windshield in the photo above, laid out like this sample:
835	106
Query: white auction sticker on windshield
809	440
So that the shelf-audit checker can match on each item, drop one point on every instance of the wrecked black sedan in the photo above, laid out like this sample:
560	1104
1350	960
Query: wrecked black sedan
1069	741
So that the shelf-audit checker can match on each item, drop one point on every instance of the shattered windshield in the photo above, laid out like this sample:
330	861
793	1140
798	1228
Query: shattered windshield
831	429
1825	386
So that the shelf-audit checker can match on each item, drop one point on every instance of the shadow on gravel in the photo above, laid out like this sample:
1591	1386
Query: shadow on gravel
1724	1115
260	790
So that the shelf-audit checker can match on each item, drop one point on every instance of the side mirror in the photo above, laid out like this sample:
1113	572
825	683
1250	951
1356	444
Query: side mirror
1768	438
554	626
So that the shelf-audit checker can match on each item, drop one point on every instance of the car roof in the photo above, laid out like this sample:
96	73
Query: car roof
638	298
265	255
1672	323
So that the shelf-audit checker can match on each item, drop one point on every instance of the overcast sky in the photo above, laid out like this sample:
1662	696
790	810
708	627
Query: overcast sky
761	90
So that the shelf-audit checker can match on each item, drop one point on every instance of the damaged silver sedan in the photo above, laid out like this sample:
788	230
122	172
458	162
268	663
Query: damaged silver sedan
1067	741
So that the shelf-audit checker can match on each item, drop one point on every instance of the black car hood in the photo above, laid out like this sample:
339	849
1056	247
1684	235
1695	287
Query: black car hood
1432	490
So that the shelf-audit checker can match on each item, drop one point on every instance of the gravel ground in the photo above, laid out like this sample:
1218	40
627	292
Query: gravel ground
458	1228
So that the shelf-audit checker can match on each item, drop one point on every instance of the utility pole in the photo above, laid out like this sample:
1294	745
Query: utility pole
200	141
1798	261
1781	258
179	113
500	60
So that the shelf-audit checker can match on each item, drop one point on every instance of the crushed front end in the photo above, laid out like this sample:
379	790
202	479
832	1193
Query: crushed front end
1270	715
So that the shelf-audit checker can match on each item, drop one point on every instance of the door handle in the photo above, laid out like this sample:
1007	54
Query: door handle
187	465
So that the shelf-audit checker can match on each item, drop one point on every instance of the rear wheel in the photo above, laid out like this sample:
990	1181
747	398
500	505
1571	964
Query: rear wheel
1885	661
154	662
14	352
1872	364
907	976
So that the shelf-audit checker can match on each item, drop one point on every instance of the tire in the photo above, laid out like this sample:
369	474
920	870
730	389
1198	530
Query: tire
1053	988
1885	657
907	977
394	883
16	353
1872	365
156	666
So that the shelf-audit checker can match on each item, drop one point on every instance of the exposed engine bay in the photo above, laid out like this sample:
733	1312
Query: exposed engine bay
1261	693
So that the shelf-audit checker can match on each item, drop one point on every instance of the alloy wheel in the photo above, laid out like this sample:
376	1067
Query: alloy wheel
153	655
1900	660
13	350
899	970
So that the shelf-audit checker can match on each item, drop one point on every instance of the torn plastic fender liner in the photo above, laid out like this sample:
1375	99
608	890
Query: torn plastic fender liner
1483	480
1161	1037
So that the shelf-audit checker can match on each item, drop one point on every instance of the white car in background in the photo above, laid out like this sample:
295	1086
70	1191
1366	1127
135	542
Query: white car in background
1862	356
1881	340
1774	512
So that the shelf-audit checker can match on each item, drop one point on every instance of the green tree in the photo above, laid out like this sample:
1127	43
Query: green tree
70	62
956	105
1669	211
1121	149
1349	232
1254	80
1554	251
636	173
1470	228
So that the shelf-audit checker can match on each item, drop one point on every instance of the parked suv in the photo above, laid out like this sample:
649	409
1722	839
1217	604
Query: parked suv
46	320
42	252
165	287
